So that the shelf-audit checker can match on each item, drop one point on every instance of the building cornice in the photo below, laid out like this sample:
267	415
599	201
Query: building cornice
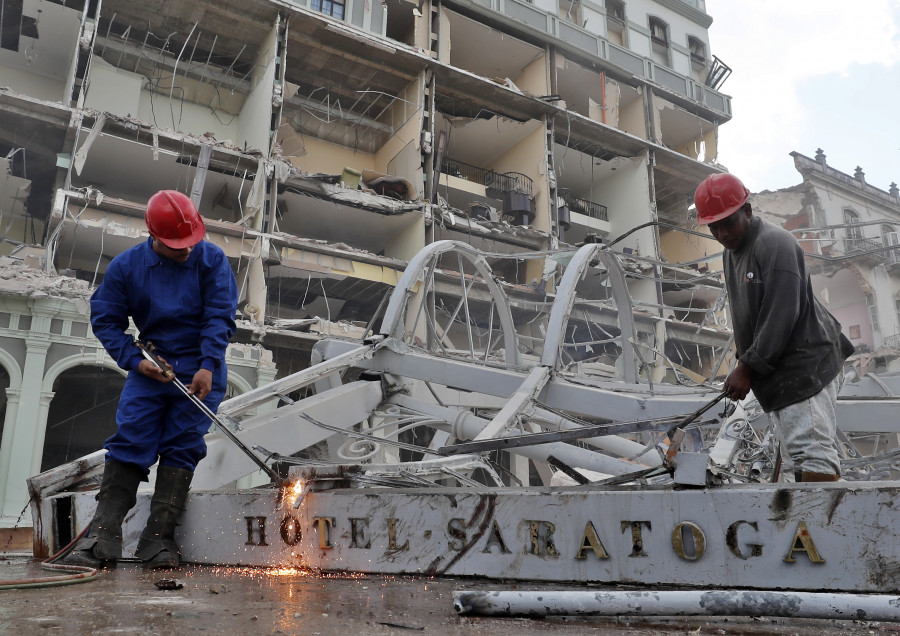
682	8
810	169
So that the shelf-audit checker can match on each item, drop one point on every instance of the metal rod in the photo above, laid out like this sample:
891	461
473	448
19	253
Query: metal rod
175	74
465	299
149	353
568	470
678	603
534	439
365	436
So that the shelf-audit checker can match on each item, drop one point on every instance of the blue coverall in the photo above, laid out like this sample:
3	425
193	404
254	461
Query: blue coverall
185	309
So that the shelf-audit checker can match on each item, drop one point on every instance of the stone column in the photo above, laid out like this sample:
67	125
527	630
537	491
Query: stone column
7	515
27	427
40	432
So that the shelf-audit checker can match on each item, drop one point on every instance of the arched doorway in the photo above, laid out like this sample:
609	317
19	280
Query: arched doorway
82	414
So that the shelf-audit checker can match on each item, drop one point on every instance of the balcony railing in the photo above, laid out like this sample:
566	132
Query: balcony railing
501	182
869	248
510	182
892	342
583	206
464	171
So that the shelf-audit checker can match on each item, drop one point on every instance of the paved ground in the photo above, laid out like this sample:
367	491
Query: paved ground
250	601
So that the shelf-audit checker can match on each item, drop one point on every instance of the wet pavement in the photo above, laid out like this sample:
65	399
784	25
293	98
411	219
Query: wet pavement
257	601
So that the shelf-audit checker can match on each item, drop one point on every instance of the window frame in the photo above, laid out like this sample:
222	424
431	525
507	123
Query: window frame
319	6
661	25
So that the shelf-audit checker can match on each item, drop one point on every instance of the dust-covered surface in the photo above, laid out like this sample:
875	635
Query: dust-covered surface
256	601
19	278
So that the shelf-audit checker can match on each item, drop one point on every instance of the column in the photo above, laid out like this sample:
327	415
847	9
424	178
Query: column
8	516
27	429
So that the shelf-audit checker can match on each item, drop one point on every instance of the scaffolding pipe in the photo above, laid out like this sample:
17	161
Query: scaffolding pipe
679	603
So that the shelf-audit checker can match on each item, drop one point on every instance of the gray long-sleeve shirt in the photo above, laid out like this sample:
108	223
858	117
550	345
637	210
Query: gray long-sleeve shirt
781	330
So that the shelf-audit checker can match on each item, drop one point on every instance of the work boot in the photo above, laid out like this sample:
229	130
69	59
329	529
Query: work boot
157	547
808	476
102	545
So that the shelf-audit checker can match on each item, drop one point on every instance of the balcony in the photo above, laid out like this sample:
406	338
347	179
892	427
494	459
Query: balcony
514	190
583	206
580	218
509	182
499	182
865	248
892	342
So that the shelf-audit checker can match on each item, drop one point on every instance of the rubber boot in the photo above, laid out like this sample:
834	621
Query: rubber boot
102	545
157	547
808	476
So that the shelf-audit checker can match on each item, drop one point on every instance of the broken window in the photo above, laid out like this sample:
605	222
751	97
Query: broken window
851	218
698	50
329	7
873	311
659	31
82	414
615	21
853	231
570	11
615	9
659	41
401	21
11	24
891	242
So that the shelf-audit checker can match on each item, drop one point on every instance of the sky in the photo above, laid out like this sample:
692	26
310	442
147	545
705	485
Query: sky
809	74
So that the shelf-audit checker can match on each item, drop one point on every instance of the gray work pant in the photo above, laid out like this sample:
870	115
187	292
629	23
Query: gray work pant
808	431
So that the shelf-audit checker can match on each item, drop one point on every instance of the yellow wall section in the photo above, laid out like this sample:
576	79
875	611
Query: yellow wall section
533	78
329	158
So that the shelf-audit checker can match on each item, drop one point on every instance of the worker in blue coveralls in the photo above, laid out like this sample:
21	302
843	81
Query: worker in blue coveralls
181	293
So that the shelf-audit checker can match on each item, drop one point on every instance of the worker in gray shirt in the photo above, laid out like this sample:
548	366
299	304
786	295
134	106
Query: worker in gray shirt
790	348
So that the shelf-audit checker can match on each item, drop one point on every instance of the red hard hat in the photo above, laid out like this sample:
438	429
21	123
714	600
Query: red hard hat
719	196
173	219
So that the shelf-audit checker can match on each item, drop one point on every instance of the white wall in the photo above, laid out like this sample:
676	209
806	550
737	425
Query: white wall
255	119
112	90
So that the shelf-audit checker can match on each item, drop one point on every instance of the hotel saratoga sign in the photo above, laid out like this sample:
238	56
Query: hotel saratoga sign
758	536
539	540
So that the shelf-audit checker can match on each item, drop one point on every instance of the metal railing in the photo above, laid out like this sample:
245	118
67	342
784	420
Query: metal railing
892	341
510	182
588	208
464	171
502	182
870	247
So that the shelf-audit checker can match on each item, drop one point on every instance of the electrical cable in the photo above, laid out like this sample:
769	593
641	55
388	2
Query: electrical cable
77	573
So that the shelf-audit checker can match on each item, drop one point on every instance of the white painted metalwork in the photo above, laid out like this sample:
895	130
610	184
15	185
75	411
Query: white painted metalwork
565	299
401	326
678	603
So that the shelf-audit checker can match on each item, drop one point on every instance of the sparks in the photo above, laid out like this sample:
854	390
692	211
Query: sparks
295	492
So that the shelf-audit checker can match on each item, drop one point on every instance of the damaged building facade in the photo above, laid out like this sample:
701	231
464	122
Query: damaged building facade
849	229
326	143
